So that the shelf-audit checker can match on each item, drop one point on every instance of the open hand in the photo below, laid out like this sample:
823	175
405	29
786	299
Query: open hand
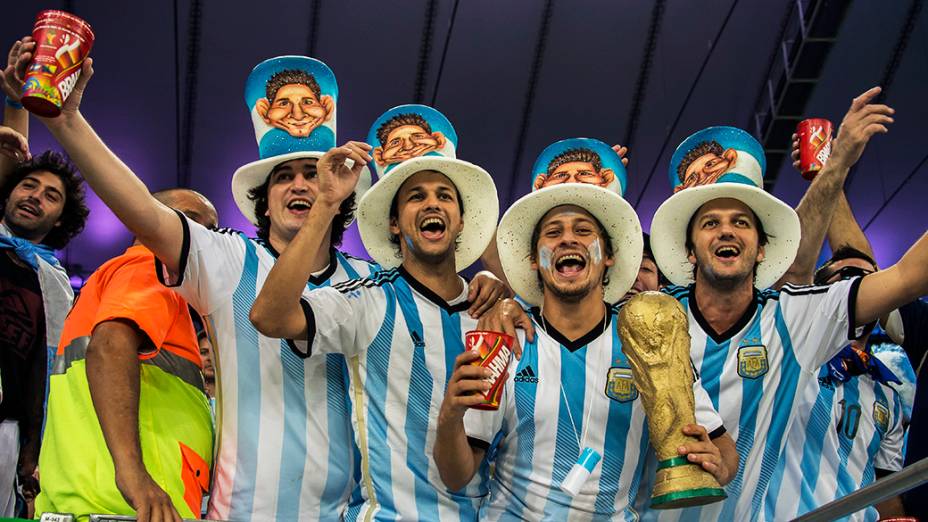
11	81
150	502
337	180
505	316
13	145
862	121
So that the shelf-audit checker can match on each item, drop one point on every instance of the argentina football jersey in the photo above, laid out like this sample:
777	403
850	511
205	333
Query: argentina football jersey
560	397
752	373
400	340
844	433
284	445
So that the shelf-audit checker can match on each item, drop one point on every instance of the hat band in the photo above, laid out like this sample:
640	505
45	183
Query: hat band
277	142
733	177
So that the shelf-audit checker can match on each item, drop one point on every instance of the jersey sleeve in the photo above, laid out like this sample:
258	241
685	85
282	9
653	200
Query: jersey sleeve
132	292
209	266
890	456
342	319
820	320
706	416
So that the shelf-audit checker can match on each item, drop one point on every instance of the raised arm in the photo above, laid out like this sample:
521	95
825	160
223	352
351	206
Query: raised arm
456	459
155	225
15	118
845	230
277	311
817	207
884	291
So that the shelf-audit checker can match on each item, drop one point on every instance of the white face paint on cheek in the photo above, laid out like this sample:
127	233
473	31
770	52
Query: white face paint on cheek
545	255
596	252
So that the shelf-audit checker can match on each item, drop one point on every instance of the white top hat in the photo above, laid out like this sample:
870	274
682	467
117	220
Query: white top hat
735	171
598	191
409	139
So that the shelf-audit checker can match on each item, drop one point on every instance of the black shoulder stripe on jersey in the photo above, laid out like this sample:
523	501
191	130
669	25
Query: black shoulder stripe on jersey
791	289
375	280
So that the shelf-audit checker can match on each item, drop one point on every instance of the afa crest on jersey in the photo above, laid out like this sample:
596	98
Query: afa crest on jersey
620	385
881	416
752	361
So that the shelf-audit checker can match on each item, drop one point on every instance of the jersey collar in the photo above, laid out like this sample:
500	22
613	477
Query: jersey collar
314	280
737	327
579	342
427	293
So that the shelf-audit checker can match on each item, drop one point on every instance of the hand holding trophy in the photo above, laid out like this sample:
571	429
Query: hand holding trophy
655	338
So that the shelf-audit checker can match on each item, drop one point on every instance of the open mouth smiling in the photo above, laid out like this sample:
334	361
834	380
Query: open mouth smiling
570	264
432	228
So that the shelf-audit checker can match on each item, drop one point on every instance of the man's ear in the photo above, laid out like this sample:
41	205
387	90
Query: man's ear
440	138
691	257
394	227
608	177
540	180
731	156
329	105
378	156
761	253
262	106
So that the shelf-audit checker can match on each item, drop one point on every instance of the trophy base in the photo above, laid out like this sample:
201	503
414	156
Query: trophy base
680	484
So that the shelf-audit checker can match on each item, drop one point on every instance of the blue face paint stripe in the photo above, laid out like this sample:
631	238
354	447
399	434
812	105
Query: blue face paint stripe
524	394
566	449
418	402
248	394
378	363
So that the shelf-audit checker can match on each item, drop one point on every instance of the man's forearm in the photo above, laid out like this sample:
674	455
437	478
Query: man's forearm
156	226
455	458
277	311
844	229
815	211
113	377
900	284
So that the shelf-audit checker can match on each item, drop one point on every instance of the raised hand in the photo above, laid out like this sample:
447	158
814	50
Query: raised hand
465	381
621	151
11	81
337	180
13	145
862	121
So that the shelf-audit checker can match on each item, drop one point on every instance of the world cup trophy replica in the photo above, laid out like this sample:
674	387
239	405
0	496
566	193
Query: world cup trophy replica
656	340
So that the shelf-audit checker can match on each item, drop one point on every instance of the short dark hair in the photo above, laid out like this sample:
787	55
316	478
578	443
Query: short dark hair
339	223
700	150
762	237
394	213
843	252
572	155
289	77
607	239
75	211
383	132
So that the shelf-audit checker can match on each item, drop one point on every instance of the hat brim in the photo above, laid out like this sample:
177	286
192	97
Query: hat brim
478	196
669	230
514	236
254	174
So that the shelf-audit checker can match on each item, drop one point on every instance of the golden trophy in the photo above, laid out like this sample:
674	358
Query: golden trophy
656	340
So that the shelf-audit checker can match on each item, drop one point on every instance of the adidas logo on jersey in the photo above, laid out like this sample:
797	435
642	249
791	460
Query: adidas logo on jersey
526	375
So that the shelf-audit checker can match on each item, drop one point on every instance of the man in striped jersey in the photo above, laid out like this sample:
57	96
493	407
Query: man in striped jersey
754	347
277	412
568	249
284	448
400	330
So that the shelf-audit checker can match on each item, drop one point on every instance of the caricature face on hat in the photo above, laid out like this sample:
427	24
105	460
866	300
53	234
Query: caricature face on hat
405	136
294	103
575	165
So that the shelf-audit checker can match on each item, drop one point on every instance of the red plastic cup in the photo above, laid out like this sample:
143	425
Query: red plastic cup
495	349
814	145
63	41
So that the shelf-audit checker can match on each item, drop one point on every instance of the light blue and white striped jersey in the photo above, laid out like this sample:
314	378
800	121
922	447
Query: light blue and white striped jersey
284	449
557	392
843	433
400	340
752	373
